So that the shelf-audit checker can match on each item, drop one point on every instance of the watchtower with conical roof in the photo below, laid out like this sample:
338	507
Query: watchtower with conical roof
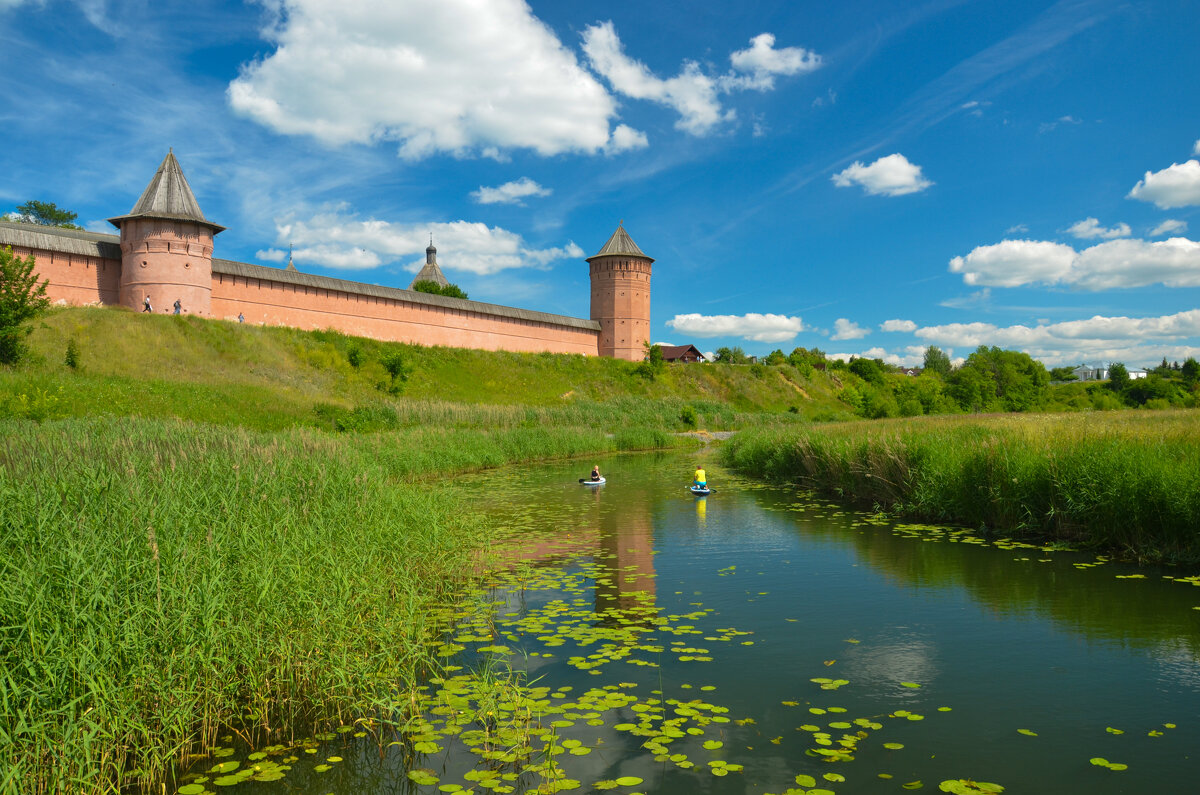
430	272
167	246
621	297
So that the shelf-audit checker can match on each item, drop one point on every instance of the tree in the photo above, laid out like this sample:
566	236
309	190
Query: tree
733	355
653	363
1118	377
1190	370
936	360
433	288
1064	373
869	370
46	214
22	298
775	358
992	379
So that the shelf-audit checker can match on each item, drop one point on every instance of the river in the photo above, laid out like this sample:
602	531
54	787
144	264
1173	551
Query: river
759	635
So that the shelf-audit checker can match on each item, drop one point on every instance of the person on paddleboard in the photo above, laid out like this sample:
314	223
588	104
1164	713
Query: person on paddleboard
700	477
596	472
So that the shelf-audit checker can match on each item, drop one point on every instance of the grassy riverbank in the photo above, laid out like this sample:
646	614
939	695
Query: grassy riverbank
1127	482
127	363
163	579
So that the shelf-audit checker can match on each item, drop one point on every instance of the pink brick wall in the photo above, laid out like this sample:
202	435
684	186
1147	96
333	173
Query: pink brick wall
76	279
286	304
82	280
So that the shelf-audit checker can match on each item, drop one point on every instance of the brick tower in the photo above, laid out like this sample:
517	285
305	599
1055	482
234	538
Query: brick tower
621	297
167	246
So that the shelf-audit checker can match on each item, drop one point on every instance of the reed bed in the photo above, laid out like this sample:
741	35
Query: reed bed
1127	482
160	580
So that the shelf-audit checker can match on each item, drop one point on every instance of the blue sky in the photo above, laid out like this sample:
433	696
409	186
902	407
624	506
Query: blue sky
869	178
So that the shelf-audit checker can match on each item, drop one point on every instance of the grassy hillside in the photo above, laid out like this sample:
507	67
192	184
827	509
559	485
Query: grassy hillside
130	364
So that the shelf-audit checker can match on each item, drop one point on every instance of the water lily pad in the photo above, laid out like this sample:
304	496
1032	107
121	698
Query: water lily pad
893	746
1027	732
191	789
628	781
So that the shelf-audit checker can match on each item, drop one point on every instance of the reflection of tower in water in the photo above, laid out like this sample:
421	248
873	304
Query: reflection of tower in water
625	558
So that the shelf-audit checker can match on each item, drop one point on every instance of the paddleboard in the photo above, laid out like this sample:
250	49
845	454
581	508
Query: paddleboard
701	492
589	482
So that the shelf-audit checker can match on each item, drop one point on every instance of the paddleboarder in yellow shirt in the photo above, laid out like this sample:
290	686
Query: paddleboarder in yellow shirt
700	479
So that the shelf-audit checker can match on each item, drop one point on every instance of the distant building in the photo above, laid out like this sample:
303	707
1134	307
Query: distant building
430	272
1136	373
681	353
1090	372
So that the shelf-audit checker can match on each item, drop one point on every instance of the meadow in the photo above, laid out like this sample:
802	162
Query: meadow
1127	482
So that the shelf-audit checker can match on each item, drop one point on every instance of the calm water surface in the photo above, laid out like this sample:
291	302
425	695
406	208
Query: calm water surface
1006	638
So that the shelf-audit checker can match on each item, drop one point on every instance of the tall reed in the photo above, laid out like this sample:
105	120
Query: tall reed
159	580
1128	482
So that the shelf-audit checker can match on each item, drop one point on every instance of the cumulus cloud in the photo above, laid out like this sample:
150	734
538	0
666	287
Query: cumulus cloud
625	138
457	76
1090	228
751	326
897	325
1012	263
693	94
1174	262
1177	185
1169	226
763	62
510	192
1100	338
844	329
336	239
892	175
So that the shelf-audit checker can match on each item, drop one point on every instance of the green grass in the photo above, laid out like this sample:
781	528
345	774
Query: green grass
163	579
130	364
1127	482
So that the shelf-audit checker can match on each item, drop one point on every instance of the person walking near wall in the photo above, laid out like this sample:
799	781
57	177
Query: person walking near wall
178	306
146	305
241	318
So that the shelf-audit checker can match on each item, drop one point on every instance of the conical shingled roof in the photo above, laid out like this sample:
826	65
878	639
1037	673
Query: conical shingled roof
168	196
430	272
620	244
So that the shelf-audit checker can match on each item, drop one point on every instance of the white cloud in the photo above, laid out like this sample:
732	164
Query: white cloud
625	138
844	329
763	62
1196	148
1099	338
693	94
271	255
1012	263
457	76
335	239
509	192
751	326
897	325
892	175
1017	229
1177	185
1167	227
1090	228
1174	262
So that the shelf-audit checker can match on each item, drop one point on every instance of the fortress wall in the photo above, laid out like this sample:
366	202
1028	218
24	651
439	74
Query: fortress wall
450	322
85	268
76	278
